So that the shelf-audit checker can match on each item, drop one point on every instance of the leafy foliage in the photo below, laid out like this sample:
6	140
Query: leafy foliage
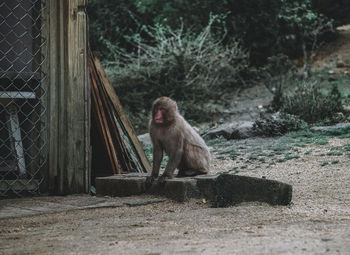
265	27
278	124
152	48
311	105
302	24
112	24
186	66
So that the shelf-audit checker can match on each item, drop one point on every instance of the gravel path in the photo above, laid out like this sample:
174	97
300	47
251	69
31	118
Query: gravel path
317	221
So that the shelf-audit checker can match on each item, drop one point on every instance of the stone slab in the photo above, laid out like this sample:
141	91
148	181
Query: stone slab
234	189
181	189
222	190
121	185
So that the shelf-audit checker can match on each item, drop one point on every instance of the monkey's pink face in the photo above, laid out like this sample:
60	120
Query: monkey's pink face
159	116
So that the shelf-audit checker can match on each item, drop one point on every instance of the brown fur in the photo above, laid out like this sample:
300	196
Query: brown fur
172	134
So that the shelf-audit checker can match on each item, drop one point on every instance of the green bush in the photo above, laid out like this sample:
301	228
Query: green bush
304	29
311	105
190	68
265	27
277	124
113	24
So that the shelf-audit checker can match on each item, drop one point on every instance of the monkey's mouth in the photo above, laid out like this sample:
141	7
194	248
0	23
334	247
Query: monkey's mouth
158	120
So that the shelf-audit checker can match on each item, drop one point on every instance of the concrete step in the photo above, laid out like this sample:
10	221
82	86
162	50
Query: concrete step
222	189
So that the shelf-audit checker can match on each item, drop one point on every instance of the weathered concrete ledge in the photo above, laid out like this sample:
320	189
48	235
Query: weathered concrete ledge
222	190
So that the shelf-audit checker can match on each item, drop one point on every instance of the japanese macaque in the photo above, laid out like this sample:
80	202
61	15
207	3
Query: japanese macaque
170	133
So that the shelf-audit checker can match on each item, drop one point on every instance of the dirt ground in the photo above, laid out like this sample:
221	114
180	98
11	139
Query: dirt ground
316	222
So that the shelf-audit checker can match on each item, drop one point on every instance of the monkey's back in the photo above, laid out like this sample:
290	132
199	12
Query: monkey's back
196	152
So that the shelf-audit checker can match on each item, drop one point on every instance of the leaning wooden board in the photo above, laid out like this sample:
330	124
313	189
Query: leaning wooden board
113	123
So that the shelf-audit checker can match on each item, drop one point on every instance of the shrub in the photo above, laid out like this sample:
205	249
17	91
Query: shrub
277	124
265	27
311	105
276	75
113	24
304	30
188	67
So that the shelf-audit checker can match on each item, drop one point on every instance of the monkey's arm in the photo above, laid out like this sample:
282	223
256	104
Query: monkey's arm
157	158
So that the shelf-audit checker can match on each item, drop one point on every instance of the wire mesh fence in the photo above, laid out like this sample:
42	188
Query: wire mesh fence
22	111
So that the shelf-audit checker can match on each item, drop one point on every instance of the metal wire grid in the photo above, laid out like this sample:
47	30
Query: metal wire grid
22	111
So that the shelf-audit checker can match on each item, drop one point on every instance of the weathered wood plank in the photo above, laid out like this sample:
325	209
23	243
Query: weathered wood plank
76	99
69	98
52	67
61	141
125	120
104	129
61	85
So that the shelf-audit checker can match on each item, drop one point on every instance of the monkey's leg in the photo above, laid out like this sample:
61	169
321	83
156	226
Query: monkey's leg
191	172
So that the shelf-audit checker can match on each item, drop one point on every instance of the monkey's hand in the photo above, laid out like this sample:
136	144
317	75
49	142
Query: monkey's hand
162	179
149	181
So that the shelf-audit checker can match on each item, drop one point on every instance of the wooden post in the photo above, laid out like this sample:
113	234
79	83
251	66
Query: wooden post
77	99
69	98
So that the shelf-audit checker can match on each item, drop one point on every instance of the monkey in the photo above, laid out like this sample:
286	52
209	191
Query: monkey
172	134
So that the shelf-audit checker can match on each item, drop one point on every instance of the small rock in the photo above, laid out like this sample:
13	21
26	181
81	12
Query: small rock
332	78
145	140
223	130
228	131
330	128
243	131
340	63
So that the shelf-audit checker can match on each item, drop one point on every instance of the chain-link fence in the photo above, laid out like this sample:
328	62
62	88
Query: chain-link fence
22	111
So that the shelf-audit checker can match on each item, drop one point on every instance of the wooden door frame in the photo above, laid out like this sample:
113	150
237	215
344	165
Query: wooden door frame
68	97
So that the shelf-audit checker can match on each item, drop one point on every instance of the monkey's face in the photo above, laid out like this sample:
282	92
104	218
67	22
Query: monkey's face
164	111
159	115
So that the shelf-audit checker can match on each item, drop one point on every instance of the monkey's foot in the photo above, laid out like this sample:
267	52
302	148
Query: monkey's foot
189	173
149	181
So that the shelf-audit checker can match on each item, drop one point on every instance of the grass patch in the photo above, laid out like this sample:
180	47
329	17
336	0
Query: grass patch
233	155
262	160
341	133
268	152
347	147
325	163
308	152
334	153
321	141
289	157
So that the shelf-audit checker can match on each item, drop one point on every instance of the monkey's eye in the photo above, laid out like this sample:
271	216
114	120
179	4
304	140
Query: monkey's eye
161	109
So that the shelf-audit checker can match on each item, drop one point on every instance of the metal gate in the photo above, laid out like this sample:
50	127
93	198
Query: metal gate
22	110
